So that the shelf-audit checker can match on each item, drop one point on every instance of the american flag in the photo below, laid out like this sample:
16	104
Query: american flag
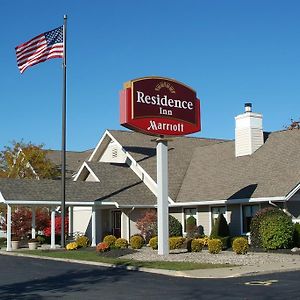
42	47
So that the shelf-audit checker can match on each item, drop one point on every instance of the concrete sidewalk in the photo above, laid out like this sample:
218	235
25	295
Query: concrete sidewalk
200	273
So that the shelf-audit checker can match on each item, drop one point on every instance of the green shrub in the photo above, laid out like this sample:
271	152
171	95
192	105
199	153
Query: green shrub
220	228
153	243
214	246
41	239
276	231
296	237
225	241
235	237
121	243
136	242
197	245
256	240
110	240
176	242
175	227
240	245
82	241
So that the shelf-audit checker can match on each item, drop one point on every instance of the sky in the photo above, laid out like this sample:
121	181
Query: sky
230	52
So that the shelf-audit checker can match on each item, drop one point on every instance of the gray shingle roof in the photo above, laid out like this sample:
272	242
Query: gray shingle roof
143	149
47	190
216	174
120	184
199	170
73	159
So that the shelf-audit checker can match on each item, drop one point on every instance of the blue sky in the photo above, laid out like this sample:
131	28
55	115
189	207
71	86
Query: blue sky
230	52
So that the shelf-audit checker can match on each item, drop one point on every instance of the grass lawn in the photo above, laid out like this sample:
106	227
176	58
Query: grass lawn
89	255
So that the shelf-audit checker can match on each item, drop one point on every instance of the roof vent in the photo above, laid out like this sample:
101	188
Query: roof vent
114	153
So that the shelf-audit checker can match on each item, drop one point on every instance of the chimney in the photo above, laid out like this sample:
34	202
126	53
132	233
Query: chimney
248	132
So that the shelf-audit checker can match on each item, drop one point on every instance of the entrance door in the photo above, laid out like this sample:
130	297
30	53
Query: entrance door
117	224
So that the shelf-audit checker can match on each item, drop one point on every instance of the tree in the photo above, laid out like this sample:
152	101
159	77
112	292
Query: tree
21	221
147	225
23	160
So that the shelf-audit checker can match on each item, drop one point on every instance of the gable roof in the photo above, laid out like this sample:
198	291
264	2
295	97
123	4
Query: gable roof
180	152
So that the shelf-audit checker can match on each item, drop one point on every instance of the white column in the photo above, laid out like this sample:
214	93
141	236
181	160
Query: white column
124	226
93	226
162	197
71	222
8	228
33	222
52	228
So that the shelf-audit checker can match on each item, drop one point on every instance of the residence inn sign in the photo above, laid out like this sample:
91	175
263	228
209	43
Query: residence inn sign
159	106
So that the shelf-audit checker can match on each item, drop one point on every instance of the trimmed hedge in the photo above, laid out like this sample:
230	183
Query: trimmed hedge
110	240
136	242
240	245
214	246
176	242
197	245
153	243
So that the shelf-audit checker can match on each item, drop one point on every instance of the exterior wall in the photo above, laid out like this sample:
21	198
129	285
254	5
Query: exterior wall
134	216
293	205
234	219
91	178
204	218
113	154
176	212
81	219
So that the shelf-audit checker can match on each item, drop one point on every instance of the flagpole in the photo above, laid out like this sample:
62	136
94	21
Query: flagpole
63	144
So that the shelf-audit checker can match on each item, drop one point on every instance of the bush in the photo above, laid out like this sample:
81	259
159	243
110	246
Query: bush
214	246
148	225
82	241
153	243
121	243
220	227
110	240
256	240
176	242
175	227
225	241
102	247
136	242
140	235
72	246
235	237
41	239
197	245
296	234
276	231
240	245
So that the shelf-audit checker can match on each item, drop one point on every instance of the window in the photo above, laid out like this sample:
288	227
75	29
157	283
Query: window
187	213
248	213
215	211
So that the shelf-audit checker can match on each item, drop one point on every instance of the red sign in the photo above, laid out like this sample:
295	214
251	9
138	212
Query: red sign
159	106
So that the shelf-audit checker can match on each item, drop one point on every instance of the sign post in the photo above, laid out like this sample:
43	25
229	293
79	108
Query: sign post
161	107
162	196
